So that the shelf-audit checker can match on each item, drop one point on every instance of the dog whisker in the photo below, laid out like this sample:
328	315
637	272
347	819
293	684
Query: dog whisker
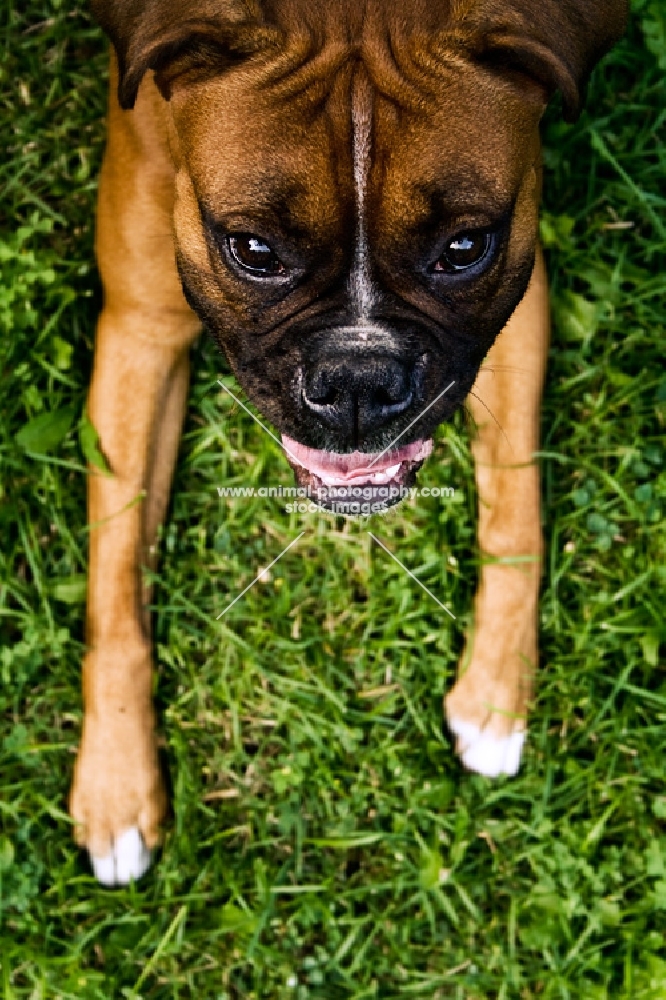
494	418
505	368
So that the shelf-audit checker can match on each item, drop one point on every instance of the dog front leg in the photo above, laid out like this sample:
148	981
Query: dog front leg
487	708
137	403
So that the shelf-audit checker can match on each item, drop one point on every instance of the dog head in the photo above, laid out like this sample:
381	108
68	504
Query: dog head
357	188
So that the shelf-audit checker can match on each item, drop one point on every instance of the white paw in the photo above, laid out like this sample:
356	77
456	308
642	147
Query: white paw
128	859
487	754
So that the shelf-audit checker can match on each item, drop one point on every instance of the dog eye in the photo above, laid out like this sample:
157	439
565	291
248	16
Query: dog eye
254	255
463	250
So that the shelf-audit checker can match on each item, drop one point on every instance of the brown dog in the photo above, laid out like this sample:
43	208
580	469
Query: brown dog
346	193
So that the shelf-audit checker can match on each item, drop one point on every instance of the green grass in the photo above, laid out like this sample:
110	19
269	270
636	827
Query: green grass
325	844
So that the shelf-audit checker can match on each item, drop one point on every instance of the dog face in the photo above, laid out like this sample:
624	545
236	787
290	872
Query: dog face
356	198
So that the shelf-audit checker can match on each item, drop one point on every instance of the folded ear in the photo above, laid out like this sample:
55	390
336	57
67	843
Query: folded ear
180	40
555	43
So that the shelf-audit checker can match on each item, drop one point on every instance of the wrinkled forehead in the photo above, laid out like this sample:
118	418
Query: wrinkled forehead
463	160
313	138
250	142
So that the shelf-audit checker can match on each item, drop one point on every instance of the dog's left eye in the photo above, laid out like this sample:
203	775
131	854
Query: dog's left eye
255	255
464	250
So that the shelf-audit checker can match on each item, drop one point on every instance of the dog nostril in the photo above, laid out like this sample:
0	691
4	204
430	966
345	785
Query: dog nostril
325	397
382	397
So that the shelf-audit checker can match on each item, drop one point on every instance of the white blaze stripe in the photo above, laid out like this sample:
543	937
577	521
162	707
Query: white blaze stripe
361	287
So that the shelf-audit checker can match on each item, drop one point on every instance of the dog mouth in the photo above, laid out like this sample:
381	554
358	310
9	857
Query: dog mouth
355	482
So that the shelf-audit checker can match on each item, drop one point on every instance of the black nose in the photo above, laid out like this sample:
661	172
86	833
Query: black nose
356	397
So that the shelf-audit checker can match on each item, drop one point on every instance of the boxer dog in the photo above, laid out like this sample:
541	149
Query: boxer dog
346	193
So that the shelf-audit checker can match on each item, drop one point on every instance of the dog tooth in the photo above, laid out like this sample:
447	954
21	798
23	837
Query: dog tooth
387	474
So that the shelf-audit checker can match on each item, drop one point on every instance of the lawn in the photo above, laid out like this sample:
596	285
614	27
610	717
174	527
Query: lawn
324	842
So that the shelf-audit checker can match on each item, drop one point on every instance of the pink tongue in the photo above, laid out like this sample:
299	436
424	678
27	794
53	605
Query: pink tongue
356	465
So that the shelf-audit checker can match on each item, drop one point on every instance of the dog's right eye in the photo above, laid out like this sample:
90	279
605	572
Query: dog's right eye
253	254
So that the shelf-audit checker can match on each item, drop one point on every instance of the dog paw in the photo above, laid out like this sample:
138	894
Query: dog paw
128	859
485	753
118	800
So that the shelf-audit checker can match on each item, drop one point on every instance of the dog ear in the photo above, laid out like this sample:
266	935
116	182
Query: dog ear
555	43
179	40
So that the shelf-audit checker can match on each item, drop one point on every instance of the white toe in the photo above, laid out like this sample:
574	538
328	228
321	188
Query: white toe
132	856
487	754
129	859
104	869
